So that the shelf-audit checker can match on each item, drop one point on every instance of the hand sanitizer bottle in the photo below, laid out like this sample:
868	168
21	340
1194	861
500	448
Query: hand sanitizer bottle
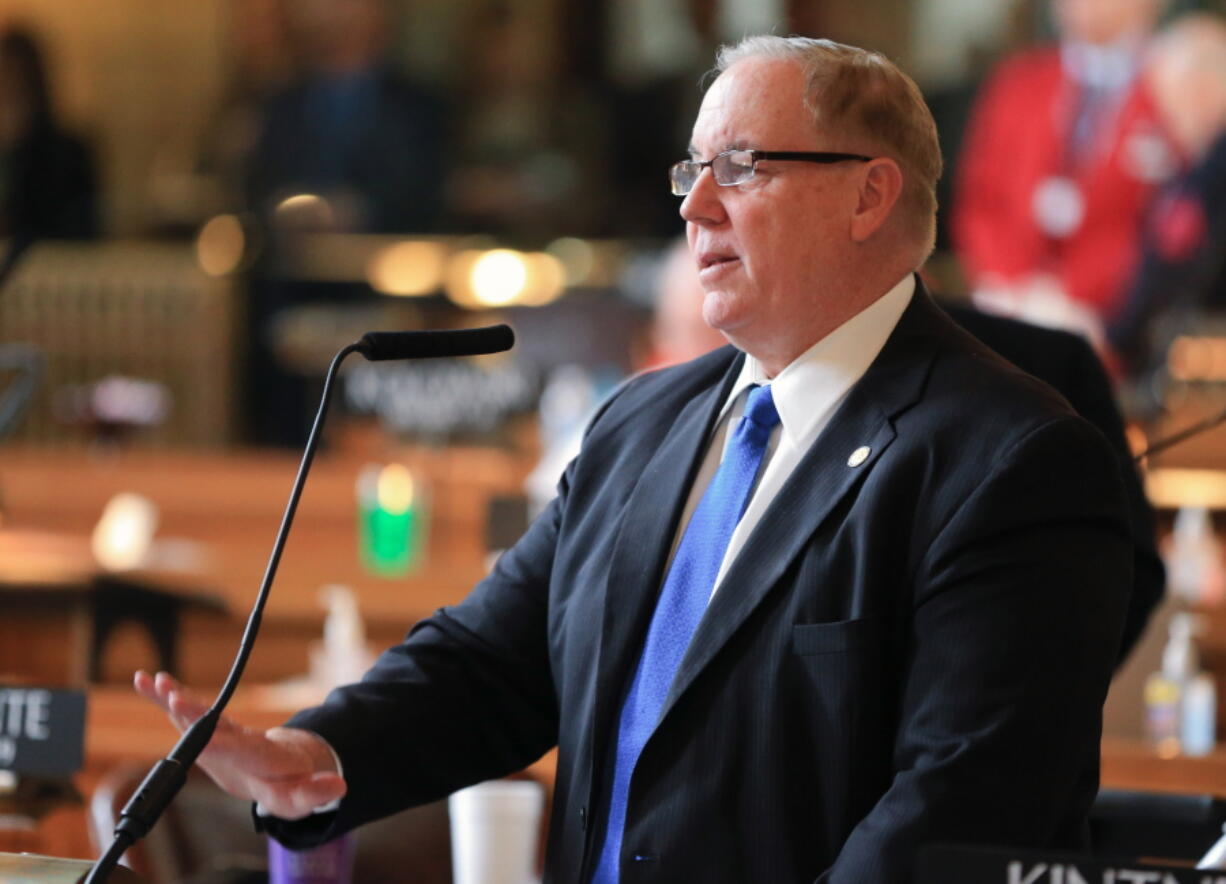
1198	729
1194	571
1198	715
1164	689
1180	699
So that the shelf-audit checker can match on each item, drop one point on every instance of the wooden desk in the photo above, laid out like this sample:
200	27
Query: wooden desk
56	598
229	504
53	870
1133	764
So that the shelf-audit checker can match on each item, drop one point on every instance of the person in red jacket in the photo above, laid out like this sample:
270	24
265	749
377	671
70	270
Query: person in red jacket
1181	270
1064	151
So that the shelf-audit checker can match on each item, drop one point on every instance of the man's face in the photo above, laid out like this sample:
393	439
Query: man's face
765	248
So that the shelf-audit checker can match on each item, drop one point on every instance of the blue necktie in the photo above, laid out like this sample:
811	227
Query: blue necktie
687	590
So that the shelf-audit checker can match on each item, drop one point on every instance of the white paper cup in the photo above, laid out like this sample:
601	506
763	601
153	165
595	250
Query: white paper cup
495	830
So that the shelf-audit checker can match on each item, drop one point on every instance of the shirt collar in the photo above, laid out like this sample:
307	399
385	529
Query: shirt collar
1110	67
819	377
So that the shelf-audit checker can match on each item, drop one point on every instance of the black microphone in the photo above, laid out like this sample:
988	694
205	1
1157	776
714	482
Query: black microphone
1183	435
168	776
377	346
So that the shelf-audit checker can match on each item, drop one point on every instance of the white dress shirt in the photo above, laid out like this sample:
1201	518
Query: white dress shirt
806	395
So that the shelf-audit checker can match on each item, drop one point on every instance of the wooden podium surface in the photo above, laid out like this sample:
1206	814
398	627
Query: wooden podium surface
28	868
1133	764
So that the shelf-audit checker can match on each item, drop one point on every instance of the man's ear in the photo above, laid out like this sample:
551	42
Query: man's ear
880	189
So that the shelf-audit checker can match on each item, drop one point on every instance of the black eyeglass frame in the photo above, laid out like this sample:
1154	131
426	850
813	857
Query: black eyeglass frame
804	156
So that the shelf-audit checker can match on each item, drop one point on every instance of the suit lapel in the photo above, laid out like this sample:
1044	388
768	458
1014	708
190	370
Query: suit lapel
648	525
824	476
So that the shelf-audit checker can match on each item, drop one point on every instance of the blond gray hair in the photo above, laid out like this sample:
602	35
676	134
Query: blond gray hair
866	93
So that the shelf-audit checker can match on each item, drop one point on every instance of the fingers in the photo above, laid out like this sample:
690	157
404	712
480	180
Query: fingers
156	688
301	797
185	709
182	706
290	772
278	773
283	768
144	684
298	773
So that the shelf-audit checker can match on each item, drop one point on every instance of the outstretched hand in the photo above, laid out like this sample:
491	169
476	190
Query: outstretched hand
289	771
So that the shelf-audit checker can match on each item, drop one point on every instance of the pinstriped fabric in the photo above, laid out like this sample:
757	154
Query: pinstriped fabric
687	590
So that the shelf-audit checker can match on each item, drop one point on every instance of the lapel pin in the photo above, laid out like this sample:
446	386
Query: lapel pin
859	456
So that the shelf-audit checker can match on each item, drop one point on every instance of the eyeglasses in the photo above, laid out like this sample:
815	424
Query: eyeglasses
738	166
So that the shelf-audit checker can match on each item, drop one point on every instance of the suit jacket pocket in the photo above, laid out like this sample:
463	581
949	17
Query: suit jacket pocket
834	638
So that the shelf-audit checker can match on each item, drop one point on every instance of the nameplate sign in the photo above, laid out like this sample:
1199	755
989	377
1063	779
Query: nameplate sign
970	865
42	731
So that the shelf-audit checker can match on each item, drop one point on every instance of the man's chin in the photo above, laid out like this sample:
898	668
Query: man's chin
735	333
723	311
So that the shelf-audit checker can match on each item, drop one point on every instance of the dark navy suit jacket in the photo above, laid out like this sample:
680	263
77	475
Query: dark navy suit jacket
912	649
1068	363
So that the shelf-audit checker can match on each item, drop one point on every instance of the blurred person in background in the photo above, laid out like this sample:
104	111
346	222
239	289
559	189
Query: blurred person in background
48	186
1064	151
678	332
652	54
348	145
530	147
197	175
349	128
1183	255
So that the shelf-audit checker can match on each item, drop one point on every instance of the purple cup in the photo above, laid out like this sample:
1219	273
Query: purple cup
330	863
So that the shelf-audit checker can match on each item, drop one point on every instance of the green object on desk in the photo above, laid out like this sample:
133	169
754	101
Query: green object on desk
391	521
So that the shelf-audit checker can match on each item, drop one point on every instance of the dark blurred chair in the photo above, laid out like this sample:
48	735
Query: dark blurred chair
1155	825
27	365
207	837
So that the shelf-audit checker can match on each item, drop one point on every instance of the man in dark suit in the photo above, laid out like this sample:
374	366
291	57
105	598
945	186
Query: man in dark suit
801	605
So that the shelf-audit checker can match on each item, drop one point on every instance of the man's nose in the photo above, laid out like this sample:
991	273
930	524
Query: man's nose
704	205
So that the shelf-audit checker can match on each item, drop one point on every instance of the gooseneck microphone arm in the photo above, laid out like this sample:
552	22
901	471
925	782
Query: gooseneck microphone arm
168	776
1187	433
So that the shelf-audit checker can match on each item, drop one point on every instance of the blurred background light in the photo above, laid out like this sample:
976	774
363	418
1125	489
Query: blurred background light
304	211
221	245
546	279
479	279
1197	358
577	257
499	278
123	535
458	278
395	489
408	268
